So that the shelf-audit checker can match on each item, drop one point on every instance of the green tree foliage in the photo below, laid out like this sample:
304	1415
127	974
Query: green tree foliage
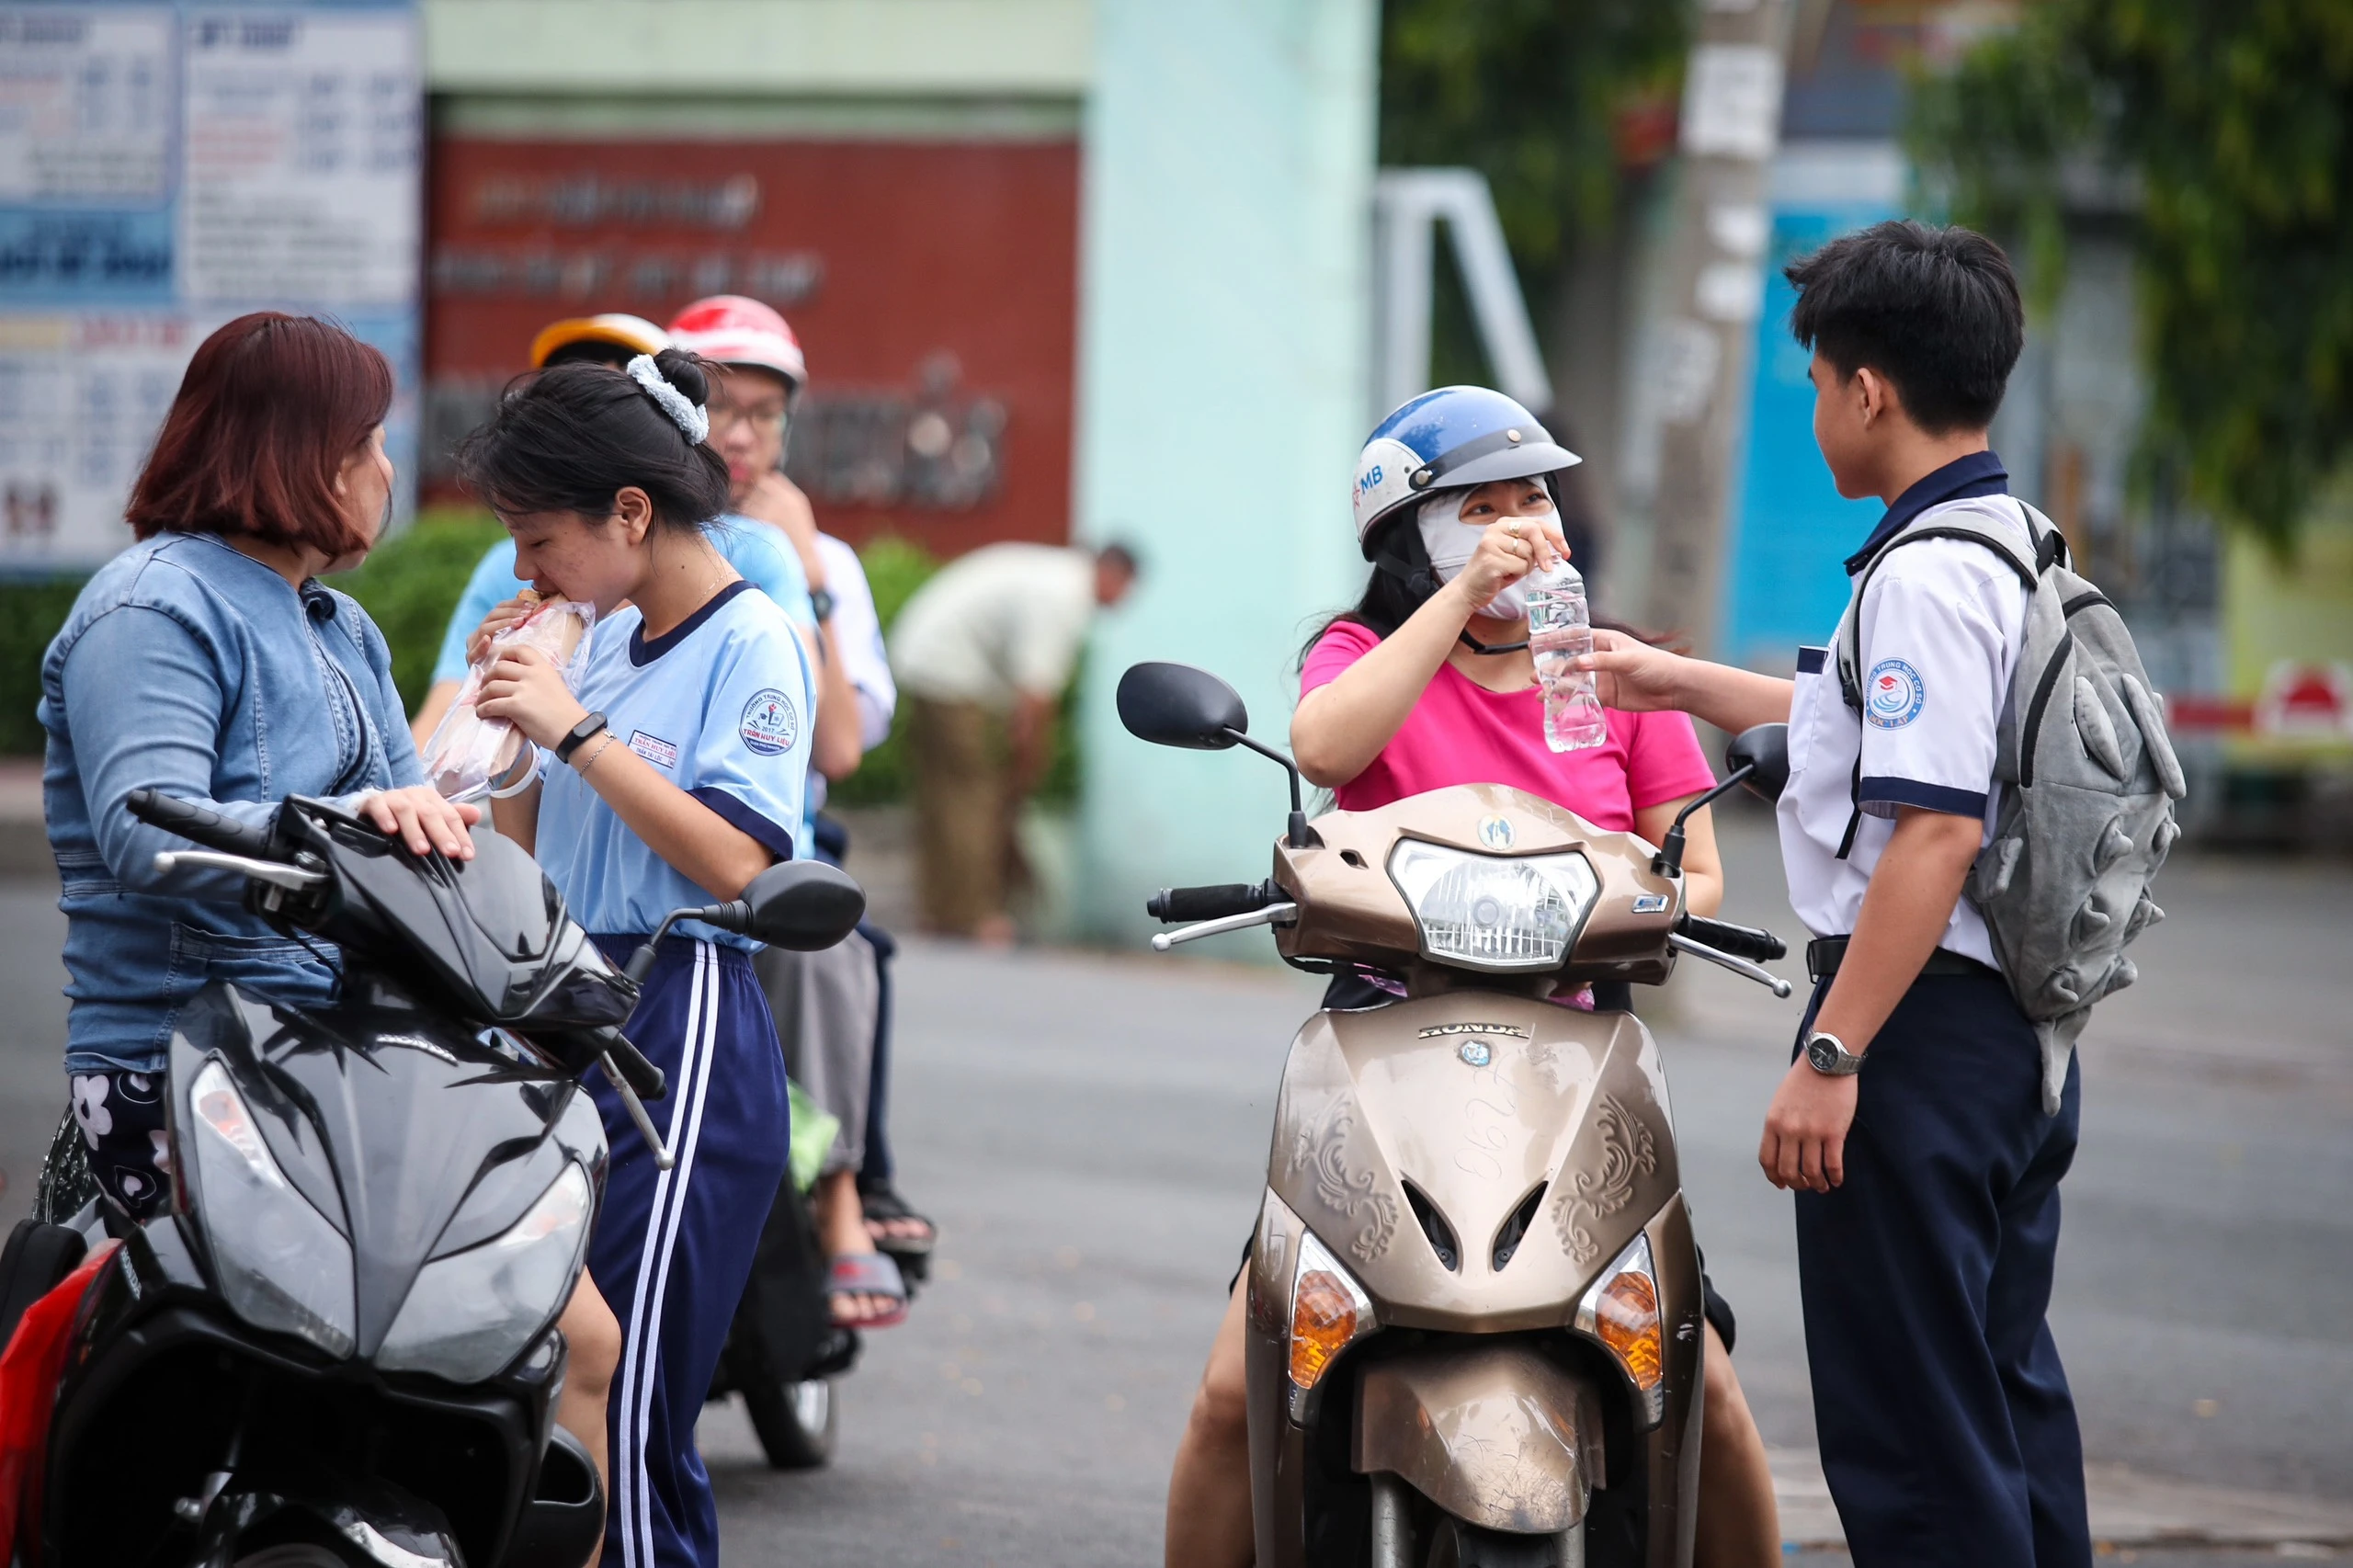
2232	128
1537	95
410	587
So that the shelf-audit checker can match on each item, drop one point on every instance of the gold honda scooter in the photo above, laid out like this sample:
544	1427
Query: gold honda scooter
1474	1303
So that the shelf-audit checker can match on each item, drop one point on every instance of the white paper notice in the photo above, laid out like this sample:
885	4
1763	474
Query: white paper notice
85	103
302	156
81	396
1732	101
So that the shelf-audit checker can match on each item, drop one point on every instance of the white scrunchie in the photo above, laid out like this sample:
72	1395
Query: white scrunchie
681	408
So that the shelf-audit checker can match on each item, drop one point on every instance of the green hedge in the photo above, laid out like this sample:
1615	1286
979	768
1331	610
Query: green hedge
30	613
411	585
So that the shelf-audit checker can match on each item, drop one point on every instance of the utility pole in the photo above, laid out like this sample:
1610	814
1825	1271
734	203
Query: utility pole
1731	124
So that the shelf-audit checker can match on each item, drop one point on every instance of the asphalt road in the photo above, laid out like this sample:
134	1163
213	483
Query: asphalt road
1091	1133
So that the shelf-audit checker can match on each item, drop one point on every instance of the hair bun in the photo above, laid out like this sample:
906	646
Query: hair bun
685	371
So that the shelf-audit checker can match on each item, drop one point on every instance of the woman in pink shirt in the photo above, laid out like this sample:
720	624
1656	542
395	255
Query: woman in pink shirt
1428	682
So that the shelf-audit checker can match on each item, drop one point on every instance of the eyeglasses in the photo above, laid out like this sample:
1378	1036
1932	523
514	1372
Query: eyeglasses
726	416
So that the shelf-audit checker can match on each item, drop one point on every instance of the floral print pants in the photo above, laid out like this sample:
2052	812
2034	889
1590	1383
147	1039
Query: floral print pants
121	1119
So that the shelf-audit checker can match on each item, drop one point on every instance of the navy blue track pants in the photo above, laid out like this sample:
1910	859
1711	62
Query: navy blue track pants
1947	1433
673	1248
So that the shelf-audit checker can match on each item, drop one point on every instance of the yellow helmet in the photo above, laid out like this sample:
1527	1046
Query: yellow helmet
622	337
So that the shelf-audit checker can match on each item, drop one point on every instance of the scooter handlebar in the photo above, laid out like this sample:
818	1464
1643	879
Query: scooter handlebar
635	1070
198	825
1740	941
1170	906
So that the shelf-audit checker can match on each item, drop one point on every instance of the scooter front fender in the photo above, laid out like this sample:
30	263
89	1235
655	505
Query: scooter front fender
1498	1435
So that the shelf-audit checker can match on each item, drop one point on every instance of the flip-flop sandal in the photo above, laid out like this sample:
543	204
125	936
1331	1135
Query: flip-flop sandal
868	1274
883	1203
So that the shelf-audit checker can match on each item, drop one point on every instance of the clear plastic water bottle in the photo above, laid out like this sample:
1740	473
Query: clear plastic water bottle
1560	629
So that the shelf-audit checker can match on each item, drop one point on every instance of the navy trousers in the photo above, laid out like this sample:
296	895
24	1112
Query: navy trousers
673	1248
1947	1433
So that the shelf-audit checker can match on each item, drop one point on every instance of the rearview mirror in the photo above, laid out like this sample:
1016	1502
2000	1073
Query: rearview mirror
1765	748
1176	705
803	905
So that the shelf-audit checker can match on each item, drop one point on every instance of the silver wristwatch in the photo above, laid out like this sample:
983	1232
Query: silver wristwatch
1828	1056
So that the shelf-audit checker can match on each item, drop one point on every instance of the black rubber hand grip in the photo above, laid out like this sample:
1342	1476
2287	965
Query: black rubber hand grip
635	1070
1171	904
201	826
1740	941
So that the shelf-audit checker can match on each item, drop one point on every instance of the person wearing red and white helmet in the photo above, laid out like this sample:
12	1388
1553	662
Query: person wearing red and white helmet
760	373
827	1005
612	339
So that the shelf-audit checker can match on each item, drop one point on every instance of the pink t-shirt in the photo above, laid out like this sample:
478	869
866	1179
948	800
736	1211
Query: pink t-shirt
1459	732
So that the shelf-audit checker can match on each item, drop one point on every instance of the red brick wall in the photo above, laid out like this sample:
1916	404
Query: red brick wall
934	286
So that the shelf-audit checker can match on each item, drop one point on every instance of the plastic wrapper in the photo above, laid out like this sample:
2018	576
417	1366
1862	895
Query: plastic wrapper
468	751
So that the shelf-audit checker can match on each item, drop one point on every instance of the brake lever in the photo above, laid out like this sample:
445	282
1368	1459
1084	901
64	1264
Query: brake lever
663	1158
1740	967
293	878
1273	914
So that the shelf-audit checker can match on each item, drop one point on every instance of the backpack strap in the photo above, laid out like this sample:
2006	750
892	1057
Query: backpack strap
2049	546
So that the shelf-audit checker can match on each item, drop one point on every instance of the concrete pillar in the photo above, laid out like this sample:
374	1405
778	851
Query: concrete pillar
1223	318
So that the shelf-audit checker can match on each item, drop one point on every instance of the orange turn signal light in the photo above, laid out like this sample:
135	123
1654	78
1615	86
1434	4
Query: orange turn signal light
1322	1322
1626	1319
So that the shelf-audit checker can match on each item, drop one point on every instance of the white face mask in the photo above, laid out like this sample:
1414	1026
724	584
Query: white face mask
1451	542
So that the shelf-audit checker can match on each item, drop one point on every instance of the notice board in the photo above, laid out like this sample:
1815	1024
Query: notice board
933	284
164	168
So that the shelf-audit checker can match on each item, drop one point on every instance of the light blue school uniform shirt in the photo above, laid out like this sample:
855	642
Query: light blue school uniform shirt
760	555
721	706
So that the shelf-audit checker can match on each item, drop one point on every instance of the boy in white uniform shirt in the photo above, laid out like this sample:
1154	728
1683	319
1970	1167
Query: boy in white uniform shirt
1911	1124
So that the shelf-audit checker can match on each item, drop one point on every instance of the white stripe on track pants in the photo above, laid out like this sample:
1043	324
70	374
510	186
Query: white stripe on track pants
673	1248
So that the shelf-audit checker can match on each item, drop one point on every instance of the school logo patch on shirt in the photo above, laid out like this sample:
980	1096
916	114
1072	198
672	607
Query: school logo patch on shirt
654	749
1893	695
770	723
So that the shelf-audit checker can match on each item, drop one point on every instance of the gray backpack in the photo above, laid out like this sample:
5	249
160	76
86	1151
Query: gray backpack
2089	779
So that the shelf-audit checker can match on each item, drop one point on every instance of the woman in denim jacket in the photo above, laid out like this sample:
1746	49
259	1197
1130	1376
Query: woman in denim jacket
207	662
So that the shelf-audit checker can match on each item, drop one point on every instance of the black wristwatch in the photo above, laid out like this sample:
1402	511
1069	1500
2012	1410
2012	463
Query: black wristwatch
585	731
1828	1056
821	603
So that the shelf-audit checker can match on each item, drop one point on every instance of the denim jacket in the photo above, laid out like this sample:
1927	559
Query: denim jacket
191	669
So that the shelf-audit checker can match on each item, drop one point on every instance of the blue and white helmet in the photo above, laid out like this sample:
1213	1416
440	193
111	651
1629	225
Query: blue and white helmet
1451	439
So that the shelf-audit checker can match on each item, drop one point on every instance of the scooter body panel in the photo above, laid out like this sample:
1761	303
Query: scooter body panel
413	1139
1478	1099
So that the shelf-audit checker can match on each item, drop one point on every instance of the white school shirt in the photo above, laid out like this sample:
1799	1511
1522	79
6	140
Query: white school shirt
1941	627
1000	623
721	706
859	633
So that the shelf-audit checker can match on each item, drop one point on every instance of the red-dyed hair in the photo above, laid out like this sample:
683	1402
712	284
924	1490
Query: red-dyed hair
271	407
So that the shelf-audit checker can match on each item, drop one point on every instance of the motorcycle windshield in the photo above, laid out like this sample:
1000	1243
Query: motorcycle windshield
413	1139
492	932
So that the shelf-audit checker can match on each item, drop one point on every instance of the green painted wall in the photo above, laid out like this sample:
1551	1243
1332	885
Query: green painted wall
698	47
1228	181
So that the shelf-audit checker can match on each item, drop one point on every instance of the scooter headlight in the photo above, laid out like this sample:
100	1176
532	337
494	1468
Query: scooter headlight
282	1265
472	1312
1329	1312
1486	912
1622	1311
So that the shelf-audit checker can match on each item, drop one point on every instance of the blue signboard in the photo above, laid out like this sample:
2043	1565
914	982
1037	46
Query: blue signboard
1789	531
166	167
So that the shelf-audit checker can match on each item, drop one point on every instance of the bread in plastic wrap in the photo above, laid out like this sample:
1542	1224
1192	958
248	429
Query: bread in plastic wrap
469	751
